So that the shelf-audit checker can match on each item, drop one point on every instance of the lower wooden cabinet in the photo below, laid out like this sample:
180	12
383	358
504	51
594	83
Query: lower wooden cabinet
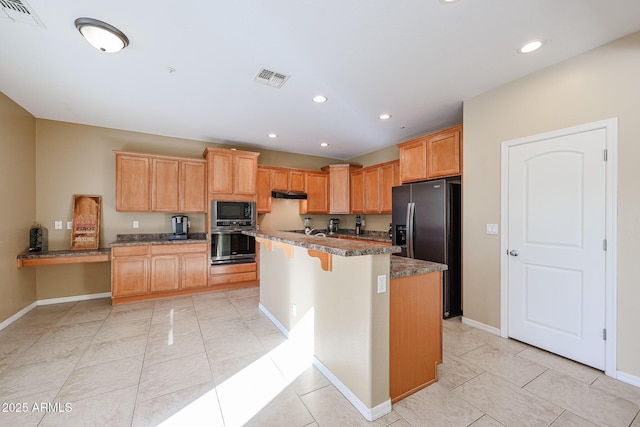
415	333
232	273
157	270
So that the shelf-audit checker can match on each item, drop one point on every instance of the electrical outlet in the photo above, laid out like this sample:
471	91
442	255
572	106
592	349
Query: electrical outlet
382	283
58	225
136	224
492	228
69	225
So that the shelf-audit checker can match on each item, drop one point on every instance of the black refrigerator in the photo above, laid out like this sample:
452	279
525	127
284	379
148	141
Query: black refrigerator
426	224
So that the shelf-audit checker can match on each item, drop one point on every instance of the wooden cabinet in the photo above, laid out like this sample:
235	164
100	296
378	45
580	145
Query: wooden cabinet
389	177
415	333
371	188
152	271
232	174
132	183
340	186
296	180
154	183
263	189
192	186
357	191
279	179
223	276
432	156
317	189
129	271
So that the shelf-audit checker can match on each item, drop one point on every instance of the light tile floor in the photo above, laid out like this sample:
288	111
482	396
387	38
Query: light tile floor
215	360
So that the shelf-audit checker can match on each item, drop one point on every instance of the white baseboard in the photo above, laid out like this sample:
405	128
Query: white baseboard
36	303
628	378
482	326
370	414
273	319
18	315
73	298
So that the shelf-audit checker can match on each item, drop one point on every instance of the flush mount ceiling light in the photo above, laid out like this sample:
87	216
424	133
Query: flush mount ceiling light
101	35
384	116
531	46
273	135
319	99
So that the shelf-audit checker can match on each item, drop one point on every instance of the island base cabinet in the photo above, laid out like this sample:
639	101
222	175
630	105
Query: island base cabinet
415	331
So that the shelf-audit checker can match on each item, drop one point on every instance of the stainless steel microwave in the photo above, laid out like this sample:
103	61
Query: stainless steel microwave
227	215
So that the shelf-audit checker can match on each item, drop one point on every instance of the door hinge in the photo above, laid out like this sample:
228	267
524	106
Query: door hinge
604	334
606	155
604	244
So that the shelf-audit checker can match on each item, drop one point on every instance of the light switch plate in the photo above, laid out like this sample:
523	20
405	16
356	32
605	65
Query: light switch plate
58	225
492	228
382	283
69	225
136	224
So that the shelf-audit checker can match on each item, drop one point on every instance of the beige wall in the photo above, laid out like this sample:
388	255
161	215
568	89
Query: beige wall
18	206
597	85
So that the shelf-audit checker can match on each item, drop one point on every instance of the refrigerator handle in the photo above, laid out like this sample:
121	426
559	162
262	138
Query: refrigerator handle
410	224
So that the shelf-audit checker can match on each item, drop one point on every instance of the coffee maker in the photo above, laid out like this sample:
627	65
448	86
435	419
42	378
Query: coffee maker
180	226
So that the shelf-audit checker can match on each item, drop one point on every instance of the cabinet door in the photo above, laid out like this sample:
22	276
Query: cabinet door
263	189
129	276
164	185
246	170
296	180
357	191
371	190
317	193
388	179
339	182
220	172
193	179
132	183
280	179
443	155
413	161
165	273
195	270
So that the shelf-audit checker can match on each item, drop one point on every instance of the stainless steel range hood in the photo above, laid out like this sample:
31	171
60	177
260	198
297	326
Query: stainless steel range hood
289	195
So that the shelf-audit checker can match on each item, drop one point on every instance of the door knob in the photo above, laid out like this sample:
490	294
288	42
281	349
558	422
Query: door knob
514	252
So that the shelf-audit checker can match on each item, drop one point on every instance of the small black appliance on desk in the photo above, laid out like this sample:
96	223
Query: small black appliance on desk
180	226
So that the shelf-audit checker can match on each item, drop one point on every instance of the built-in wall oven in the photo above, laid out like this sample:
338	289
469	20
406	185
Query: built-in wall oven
228	244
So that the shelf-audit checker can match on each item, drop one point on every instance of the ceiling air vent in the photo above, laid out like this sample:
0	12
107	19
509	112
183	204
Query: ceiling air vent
20	11
268	77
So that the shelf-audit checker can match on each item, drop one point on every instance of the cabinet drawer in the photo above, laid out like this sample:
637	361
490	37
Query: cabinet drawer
233	268
220	279
129	250
178	248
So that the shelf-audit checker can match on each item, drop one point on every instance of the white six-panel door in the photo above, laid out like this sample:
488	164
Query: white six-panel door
556	237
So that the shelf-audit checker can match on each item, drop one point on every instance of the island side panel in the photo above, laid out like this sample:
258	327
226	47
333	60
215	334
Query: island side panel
352	326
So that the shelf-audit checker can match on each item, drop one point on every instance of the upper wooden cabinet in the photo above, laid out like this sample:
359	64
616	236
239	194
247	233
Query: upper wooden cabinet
232	173
279	179
132	182
297	180
263	203
432	156
371	188
317	189
154	183
340	186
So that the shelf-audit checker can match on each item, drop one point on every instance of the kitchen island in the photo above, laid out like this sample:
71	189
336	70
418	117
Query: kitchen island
335	293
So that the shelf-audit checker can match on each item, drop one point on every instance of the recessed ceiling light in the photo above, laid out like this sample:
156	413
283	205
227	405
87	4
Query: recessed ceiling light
448	1
324	144
384	116
531	46
273	135
319	99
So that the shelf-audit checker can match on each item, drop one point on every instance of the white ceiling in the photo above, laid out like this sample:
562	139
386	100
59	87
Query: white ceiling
417	60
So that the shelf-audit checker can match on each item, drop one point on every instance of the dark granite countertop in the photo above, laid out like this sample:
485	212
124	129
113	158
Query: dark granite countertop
405	267
156	239
366	235
64	253
340	247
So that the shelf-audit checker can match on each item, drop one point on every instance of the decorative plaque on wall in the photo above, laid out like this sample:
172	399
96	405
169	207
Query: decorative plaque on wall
85	233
